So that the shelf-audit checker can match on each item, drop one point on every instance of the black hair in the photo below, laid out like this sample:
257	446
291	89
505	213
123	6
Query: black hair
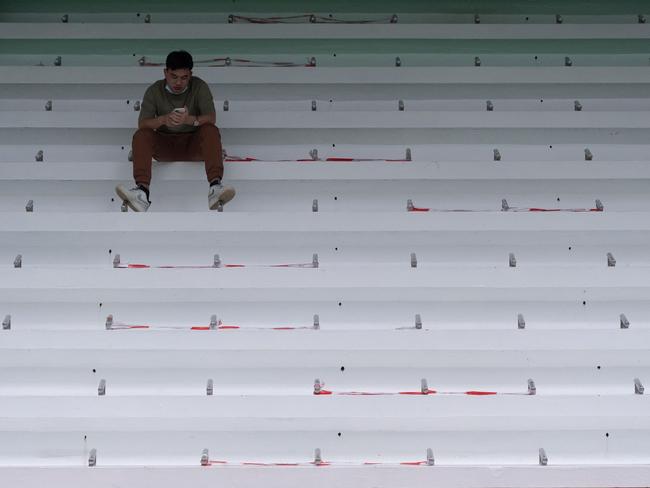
179	60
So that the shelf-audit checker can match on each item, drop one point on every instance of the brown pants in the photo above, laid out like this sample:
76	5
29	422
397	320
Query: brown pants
202	145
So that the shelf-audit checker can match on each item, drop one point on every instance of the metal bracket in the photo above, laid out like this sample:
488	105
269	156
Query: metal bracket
414	260
226	105
521	322
588	155
39	156
314	205
477	19
313	154
58	61
214	322
409	205
18	262
30	206
577	106
142	61
599	205
318	458
398	62
394	19
116	261
408	154
312	19
314	106
101	389
312	62
209	389
219	206
532	389
497	155
567	61
638	387
48	106
611	261
543	459
316	322
318	386
430	460
205	455
489	106
228	61
136	106
231	19
400	105
92	458
424	386
558	19
124	207
6	323
216	263
109	322
147	19
642	19
314	260
477	61
418	321
504	205
130	156
65	18
512	260
625	324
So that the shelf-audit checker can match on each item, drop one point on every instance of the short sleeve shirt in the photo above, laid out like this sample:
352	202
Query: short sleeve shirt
158	101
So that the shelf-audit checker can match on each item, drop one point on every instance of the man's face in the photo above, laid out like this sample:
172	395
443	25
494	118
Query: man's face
177	79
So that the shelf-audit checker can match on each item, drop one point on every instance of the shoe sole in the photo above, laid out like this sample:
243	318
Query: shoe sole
121	192
227	195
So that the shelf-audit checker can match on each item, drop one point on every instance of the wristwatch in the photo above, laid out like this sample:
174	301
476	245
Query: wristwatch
196	121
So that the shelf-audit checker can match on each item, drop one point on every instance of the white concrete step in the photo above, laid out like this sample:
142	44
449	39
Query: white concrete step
357	120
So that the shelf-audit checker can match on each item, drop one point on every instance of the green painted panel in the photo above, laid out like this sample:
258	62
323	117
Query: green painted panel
566	7
343	46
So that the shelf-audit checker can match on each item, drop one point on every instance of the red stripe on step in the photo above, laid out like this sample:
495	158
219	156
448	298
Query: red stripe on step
139	266
480	393
428	392
418	209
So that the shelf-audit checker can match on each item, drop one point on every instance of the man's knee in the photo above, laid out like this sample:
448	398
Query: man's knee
209	130
144	136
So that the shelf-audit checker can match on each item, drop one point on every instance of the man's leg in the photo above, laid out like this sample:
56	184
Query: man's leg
148	144
205	145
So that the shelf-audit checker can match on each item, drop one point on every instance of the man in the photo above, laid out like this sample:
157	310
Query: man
176	123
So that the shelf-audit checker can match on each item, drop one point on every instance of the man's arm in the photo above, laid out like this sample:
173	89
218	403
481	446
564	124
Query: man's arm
204	119
153	123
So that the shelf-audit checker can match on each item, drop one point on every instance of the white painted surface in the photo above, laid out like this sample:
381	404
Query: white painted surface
155	413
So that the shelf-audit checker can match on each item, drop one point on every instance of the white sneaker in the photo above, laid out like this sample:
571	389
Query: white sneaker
220	194
135	198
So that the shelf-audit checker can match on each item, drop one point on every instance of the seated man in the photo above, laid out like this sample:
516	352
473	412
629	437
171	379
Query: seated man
176	123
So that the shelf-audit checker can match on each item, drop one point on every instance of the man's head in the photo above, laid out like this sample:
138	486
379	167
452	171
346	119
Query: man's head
179	70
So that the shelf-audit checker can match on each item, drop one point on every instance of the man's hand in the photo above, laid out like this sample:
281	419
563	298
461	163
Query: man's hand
175	118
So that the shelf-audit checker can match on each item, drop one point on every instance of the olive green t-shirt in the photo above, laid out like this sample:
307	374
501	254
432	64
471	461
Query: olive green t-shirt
158	101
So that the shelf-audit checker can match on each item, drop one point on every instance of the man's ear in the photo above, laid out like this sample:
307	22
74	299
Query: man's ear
165	71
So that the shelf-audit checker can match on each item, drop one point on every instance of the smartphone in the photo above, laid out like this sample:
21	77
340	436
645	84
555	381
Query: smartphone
179	110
